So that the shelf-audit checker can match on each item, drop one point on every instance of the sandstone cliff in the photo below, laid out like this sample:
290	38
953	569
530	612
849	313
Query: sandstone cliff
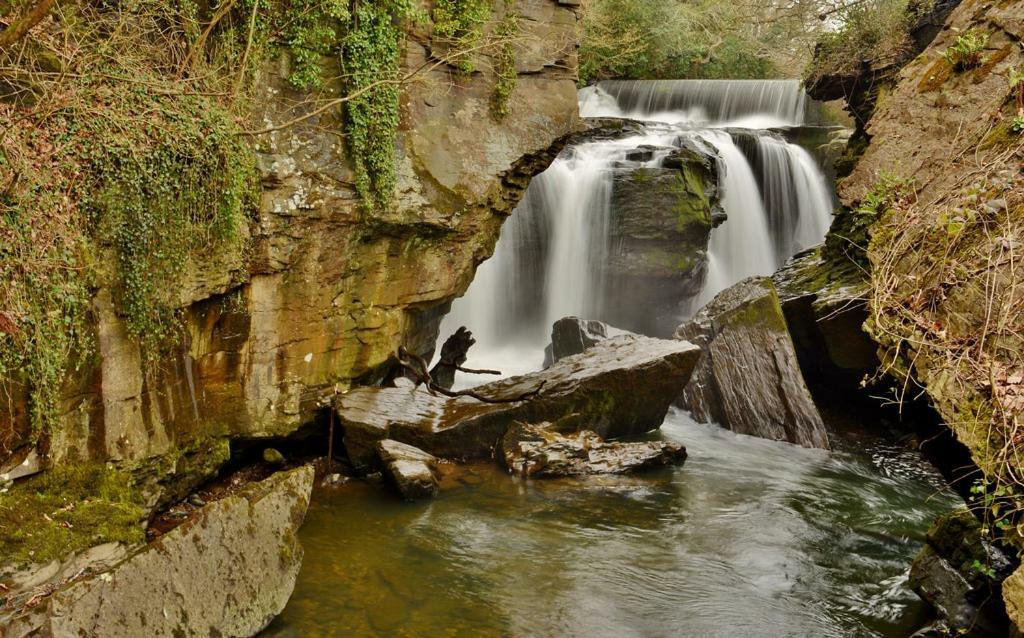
325	290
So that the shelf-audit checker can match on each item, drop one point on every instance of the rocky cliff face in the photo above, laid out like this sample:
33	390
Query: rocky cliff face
329	291
937	201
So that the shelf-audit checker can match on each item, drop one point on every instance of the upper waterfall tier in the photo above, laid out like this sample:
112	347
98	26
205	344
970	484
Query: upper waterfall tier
740	103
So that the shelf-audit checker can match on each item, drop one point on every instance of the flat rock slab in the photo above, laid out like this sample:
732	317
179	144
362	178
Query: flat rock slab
536	451
621	386
410	469
228	571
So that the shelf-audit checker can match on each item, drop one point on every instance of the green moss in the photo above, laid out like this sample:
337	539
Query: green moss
68	509
850	235
693	207
761	313
187	466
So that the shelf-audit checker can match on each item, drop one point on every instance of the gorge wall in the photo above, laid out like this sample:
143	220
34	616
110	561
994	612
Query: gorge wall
326	290
930	236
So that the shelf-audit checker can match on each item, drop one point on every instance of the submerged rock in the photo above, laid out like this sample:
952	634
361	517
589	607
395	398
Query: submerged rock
410	469
622	386
537	451
749	380
228	571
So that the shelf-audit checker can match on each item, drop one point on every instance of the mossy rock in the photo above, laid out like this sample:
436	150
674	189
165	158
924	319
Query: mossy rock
68	509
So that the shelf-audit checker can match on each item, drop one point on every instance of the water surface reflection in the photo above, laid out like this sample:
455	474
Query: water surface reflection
748	538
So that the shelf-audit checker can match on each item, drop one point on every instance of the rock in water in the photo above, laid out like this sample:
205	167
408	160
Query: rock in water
539	452
749	380
410	469
228	571
622	386
661	220
572	335
958	572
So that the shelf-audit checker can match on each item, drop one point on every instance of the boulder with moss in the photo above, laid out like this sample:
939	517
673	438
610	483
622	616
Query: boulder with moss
227	571
664	203
749	379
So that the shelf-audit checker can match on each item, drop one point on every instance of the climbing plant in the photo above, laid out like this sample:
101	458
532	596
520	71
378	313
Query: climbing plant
460	23
370	60
505	76
313	30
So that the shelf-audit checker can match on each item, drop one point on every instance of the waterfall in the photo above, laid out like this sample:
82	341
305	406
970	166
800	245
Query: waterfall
747	103
742	246
551	255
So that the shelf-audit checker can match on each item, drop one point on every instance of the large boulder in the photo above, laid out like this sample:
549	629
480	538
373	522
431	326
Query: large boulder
825	309
539	451
622	386
662	213
228	571
410	469
749	380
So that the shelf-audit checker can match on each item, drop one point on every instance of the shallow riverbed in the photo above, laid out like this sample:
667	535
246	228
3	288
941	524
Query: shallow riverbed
748	538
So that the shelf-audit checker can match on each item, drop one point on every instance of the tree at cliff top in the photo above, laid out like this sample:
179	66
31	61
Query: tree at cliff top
871	31
650	39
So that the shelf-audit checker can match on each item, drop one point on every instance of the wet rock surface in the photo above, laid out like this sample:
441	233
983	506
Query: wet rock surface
622	386
662	216
958	572
228	571
537	451
572	335
409	469
749	379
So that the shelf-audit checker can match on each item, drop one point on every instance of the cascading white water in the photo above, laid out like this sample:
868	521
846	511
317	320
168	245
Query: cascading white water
742	246
744	103
548	263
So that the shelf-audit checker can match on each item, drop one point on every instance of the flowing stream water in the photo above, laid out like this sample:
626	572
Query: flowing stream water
749	538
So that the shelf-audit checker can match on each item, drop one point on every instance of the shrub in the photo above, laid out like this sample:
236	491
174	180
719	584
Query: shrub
876	31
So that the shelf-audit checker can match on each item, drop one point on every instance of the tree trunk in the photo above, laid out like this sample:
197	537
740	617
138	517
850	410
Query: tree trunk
20	26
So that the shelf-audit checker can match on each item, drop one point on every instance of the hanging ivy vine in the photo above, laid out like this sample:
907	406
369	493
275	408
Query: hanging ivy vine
505	74
370	60
460	24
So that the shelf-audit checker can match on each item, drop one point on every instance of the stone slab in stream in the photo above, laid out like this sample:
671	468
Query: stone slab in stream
620	387
750	380
228	571
410	469
537	451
